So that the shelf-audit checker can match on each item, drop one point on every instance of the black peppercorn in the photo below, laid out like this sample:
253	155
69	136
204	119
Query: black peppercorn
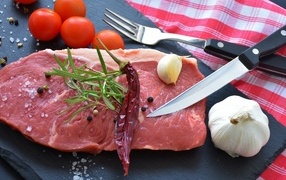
150	99
89	118
40	90
47	76
144	108
3	61
16	22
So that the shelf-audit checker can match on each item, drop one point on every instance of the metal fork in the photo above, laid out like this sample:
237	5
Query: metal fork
144	34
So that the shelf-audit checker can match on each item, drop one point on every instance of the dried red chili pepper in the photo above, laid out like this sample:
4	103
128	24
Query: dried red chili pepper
126	120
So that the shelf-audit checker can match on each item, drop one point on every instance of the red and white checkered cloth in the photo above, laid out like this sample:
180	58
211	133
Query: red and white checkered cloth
241	21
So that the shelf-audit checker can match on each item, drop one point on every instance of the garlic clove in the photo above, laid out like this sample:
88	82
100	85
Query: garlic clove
238	126
169	68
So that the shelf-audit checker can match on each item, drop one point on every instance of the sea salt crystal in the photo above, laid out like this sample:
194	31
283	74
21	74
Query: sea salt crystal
74	163
83	160
4	98
29	128
77	177
27	83
26	105
11	39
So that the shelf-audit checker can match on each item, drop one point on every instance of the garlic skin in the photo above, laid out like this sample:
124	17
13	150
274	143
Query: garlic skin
169	68
238	126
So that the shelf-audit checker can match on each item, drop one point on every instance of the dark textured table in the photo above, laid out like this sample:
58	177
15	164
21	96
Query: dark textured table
33	161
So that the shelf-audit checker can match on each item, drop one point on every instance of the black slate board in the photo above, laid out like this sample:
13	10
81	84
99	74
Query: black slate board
34	161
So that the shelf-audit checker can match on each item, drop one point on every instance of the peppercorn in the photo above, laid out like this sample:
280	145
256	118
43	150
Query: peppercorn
47	76
3	61
95	111
11	20
150	99
40	90
89	118
143	108
45	87
20	45
16	22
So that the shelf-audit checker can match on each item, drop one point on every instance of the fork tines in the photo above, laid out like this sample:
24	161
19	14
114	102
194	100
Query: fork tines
121	24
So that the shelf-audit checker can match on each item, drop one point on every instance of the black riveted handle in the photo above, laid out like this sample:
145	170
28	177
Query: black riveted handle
250	57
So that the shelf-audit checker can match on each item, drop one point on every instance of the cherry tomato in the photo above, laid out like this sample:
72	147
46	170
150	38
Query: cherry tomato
111	39
77	32
44	24
69	8
25	1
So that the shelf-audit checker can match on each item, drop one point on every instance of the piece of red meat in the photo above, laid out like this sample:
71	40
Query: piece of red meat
38	117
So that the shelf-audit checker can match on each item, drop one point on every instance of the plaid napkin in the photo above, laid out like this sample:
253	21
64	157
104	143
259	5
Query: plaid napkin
242	22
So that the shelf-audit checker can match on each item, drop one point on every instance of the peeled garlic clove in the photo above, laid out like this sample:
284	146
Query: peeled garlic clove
238	126
169	68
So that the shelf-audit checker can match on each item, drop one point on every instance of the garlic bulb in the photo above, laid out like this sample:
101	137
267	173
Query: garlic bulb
169	68
238	126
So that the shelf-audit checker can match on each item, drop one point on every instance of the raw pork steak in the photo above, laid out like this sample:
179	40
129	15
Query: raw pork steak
38	117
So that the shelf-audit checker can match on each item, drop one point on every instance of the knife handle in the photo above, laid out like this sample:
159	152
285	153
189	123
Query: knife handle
250	57
272	63
223	49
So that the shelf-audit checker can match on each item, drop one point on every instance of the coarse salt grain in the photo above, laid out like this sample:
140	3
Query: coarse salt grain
11	39
29	128
4	98
83	160
26	105
27	83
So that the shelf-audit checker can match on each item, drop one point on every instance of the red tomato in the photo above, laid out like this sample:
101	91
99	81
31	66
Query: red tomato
44	24
69	8
26	1
77	32
111	39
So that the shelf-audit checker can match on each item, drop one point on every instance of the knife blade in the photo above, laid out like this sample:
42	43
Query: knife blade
237	67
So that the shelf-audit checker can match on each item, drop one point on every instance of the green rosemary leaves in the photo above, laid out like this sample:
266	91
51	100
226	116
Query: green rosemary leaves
92	86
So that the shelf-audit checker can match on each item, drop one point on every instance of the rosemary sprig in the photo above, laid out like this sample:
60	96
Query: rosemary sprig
92	86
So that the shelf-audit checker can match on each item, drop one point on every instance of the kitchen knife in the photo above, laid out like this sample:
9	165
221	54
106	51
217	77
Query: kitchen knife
272	63
237	67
